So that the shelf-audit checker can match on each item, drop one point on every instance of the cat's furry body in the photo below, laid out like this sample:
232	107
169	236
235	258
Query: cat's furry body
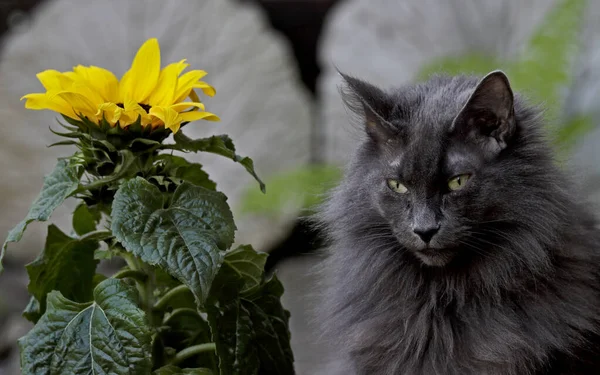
520	293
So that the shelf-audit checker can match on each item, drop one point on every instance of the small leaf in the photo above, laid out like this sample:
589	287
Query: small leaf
249	265
61	183
184	235
107	336
218	144
32	310
122	170
66	265
178	167
85	219
174	370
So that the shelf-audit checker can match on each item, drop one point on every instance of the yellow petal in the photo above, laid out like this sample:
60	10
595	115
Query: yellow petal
100	80
79	103
142	77
53	103
132	112
53	80
164	91
186	83
110	111
184	105
205	87
168	116
198	115
82	87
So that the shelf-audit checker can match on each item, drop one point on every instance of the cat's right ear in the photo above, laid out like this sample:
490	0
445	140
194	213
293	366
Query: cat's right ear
372	105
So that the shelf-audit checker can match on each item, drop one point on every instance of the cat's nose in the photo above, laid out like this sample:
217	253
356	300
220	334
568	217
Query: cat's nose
426	232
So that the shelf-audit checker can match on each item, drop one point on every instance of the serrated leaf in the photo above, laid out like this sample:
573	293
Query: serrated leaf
218	144
270	322
85	219
250	330
66	265
58	186
233	334
185	235
174	370
249	265
106	336
178	167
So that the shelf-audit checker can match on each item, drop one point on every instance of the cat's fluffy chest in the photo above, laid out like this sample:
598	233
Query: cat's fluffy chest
422	337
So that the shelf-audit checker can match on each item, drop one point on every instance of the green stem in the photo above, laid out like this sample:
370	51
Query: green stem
192	351
182	311
144	287
99	234
164	300
134	274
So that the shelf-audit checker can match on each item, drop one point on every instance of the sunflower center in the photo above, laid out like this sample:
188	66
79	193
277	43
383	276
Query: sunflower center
145	106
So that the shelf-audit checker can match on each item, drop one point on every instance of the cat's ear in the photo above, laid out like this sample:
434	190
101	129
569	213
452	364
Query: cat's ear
489	115
372	105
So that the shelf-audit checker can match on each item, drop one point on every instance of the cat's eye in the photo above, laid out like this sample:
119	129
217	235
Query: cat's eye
458	182
396	186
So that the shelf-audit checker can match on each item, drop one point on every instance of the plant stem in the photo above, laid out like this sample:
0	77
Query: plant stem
164	300
192	351
134	274
100	234
182	311
144	287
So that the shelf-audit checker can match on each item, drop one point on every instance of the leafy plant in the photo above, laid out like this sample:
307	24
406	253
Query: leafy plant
186	301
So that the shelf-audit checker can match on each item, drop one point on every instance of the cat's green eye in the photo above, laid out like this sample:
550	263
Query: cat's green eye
396	186
458	182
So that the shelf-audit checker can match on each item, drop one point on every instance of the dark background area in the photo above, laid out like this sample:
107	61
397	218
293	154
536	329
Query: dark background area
300	21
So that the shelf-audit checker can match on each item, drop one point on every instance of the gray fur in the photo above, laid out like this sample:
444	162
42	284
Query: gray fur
512	284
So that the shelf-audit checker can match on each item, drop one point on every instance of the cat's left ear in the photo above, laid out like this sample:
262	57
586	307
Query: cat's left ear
489	115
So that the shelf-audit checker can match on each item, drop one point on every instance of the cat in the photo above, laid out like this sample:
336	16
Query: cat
457	245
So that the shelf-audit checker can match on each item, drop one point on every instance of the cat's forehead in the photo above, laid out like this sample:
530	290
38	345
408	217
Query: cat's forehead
428	109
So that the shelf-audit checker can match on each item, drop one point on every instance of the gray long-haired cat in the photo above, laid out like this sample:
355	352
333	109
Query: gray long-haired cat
457	244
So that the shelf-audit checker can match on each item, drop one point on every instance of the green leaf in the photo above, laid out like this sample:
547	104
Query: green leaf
184	234
66	265
174	370
249	326
233	334
122	170
32	310
85	219
179	168
271	333
218	144
58	186
106	336
249	265
305	186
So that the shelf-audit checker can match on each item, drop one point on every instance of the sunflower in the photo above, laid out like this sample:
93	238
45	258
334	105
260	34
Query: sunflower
145	92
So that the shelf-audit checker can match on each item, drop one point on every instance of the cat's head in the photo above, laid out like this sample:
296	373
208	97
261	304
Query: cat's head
444	160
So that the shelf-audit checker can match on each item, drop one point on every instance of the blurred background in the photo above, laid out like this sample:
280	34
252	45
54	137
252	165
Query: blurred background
273	63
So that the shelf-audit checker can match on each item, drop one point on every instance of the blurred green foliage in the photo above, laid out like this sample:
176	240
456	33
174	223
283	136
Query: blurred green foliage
303	187
542	72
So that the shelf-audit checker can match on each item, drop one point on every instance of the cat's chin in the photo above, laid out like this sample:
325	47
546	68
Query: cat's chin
434	257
